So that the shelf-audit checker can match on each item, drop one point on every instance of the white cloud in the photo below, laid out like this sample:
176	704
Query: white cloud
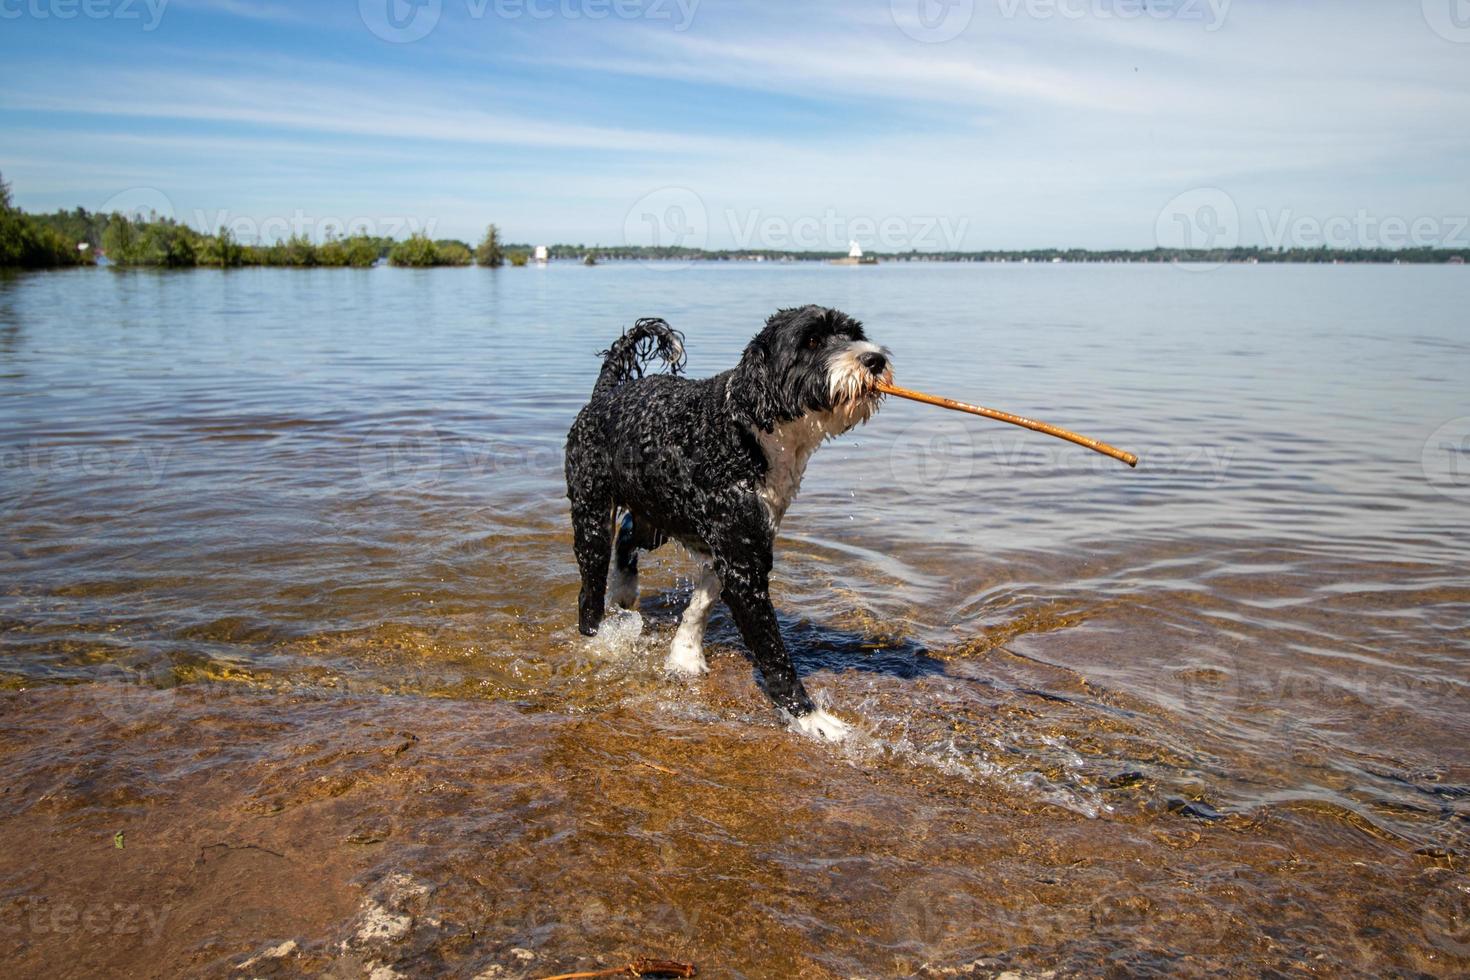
339	111
1036	131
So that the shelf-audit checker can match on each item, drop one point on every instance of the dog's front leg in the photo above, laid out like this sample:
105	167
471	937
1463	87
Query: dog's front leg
747	593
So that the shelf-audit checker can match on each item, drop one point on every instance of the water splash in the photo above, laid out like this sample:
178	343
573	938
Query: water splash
880	736
617	638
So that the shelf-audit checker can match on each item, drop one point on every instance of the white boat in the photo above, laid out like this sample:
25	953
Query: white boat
541	255
854	256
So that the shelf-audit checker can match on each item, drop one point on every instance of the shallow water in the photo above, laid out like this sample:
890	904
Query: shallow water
1210	714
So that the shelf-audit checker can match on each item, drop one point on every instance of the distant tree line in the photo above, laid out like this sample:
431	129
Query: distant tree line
163	242
27	243
52	240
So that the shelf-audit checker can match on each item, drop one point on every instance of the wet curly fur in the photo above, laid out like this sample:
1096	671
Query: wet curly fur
713	464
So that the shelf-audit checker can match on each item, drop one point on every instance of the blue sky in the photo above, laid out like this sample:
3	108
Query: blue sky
903	123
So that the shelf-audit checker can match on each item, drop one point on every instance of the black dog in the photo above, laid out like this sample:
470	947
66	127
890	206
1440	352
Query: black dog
714	464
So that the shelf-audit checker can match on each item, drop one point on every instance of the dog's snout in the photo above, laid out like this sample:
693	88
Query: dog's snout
873	361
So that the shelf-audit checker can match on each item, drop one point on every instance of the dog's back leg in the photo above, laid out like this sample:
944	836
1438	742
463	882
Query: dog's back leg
592	515
623	591
686	654
635	534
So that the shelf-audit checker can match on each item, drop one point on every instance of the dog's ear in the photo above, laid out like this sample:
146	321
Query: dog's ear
753	388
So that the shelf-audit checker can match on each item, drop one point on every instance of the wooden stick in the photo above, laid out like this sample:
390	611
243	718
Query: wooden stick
990	413
637	968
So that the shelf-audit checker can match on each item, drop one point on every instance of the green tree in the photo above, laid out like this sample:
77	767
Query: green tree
28	243
419	252
299	252
76	226
119	240
155	241
451	252
489	253
363	251
332	253
169	244
221	250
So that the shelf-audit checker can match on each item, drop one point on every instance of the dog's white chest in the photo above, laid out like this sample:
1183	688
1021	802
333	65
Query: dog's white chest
787	450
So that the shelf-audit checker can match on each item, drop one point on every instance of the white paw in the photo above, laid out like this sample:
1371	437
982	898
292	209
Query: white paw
823	724
686	657
622	590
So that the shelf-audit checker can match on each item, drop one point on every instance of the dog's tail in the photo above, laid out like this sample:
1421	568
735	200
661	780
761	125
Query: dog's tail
627	357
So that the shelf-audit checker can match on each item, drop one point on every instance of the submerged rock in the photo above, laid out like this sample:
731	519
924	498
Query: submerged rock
1197	809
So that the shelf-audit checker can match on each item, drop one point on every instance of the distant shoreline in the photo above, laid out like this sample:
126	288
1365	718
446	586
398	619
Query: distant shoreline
80	238
104	264
1055	257
1313	257
579	255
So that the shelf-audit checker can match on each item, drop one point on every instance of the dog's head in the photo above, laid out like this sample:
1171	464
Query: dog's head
809	360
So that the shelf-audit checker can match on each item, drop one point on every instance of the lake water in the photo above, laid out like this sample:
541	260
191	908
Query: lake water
289	597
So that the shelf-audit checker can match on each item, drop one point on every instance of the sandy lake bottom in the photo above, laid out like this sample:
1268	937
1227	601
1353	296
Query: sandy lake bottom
290	685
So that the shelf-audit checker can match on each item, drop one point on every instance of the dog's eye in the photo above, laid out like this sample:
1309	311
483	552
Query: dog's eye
813	343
